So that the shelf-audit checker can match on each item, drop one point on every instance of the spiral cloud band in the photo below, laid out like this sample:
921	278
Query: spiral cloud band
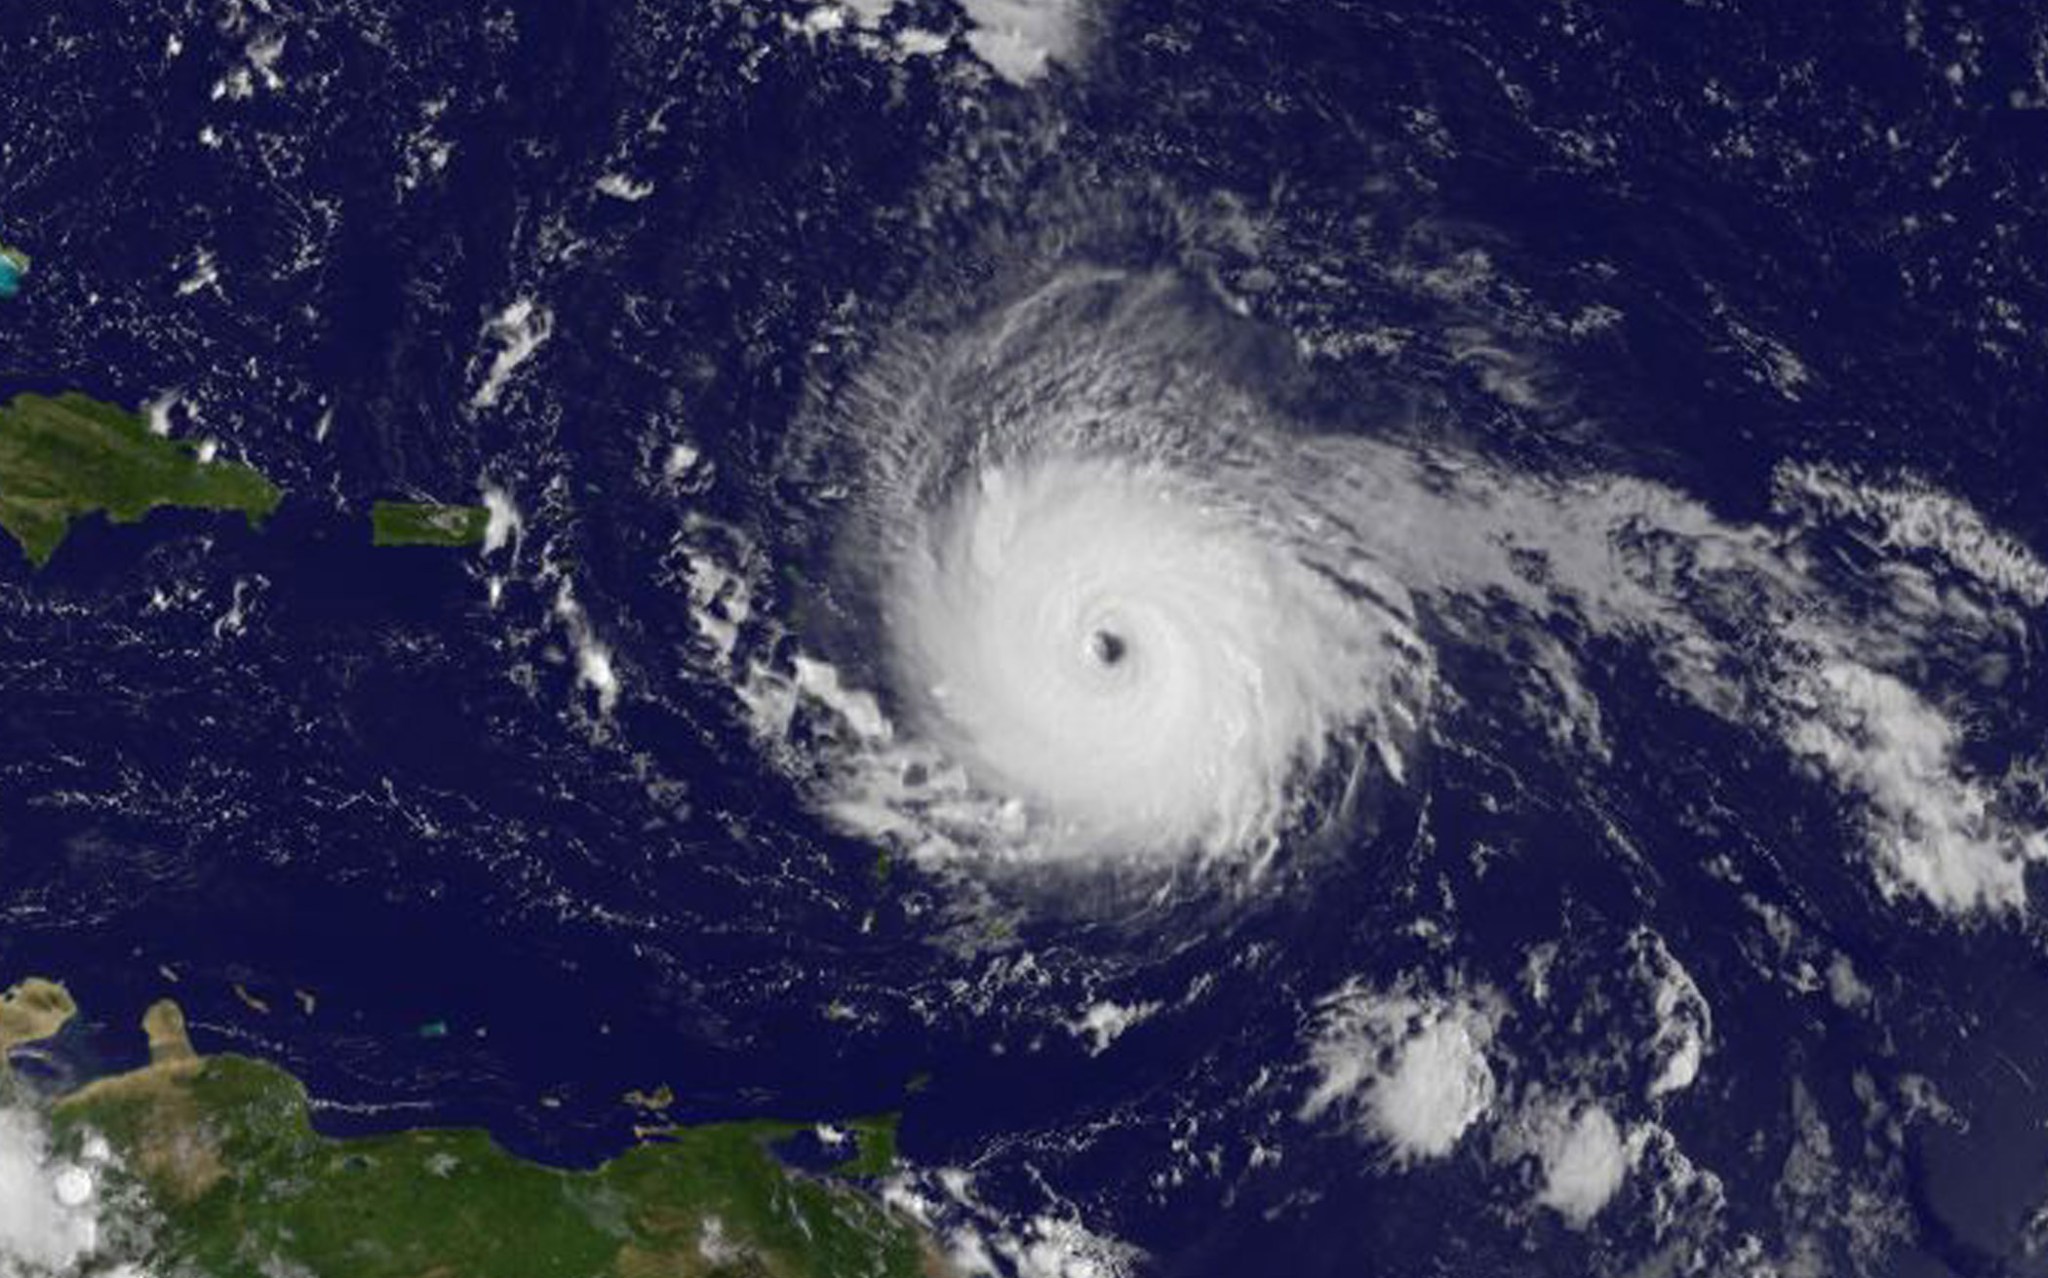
1126	658
1092	596
1109	623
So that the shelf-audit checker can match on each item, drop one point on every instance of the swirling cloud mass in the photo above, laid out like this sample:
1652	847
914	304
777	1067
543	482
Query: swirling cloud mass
1127	611
1116	623
1123	655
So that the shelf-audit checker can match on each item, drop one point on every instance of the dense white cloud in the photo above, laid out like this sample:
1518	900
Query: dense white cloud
49	1219
1408	1071
1935	828
1019	38
1584	1161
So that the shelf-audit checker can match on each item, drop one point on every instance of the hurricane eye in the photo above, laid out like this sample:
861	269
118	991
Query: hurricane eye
1107	648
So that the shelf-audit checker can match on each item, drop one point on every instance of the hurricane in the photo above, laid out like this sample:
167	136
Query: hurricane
1098	593
1130	657
1116	623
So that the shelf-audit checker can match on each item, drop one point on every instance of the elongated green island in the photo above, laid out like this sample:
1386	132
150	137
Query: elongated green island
426	523
70	456
239	1185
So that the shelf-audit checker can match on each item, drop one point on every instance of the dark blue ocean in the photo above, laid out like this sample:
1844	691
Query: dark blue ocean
281	761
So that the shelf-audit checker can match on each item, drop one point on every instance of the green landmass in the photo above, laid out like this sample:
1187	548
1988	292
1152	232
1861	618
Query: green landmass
242	1187
71	456
875	1150
414	523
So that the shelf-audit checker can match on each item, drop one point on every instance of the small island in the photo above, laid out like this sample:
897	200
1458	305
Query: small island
415	523
239	1185
13	269
66	457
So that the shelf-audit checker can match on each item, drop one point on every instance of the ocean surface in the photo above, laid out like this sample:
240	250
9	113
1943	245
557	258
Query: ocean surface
532	826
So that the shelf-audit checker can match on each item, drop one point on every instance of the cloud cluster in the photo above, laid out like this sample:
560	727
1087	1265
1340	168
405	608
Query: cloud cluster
51	1207
1408	1070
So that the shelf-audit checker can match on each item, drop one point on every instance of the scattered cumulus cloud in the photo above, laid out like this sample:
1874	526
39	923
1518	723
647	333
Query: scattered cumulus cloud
1060	1247
1684	1021
622	186
594	668
1845	987
981	1242
1937	830
1104	1022
1909	515
517	332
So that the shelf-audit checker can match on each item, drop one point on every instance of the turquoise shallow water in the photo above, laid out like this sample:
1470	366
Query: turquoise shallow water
10	277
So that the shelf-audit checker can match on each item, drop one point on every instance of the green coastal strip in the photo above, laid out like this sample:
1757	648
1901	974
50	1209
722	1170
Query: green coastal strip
239	1185
413	523
71	456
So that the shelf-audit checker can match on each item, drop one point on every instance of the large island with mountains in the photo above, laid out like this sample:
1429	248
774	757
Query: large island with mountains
70	456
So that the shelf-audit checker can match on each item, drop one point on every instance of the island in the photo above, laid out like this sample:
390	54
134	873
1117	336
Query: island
239	1185
69	456
13	268
874	1147
427	523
